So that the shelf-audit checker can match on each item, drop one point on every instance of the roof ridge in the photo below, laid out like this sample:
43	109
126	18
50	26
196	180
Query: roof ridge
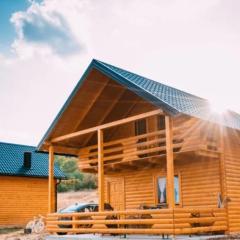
18	144
166	85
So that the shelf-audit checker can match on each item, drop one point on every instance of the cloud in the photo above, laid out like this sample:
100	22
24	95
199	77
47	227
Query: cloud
43	26
180	43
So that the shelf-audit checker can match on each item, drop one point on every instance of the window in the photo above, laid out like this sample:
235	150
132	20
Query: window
161	122
140	127
162	191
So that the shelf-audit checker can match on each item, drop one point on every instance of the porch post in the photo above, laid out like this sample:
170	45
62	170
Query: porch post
170	163
51	184
222	163
100	171
223	183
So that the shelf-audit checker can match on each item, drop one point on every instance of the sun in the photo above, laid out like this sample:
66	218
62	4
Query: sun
218	107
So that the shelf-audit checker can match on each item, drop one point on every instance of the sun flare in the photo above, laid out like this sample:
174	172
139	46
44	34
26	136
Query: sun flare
218	107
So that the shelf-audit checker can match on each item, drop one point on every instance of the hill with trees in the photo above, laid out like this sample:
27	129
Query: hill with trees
76	180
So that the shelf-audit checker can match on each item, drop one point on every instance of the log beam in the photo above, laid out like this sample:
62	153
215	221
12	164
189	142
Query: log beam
119	94
51	184
222	163
106	125
170	163
222	173
100	171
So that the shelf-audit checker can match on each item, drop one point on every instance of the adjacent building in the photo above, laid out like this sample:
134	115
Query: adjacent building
23	183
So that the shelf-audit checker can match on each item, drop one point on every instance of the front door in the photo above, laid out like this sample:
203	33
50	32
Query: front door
115	193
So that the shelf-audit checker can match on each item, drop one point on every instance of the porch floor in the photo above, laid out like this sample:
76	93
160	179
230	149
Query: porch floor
129	237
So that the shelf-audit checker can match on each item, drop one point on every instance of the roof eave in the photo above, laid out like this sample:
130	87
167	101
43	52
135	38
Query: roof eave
133	87
66	104
31	176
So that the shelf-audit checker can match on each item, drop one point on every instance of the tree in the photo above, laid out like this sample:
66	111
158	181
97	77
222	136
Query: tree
76	180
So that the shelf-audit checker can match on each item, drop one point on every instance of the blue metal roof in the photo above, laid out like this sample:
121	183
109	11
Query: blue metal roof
170	99
11	162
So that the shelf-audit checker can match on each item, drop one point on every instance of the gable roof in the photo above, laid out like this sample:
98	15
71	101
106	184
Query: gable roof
11	162
170	99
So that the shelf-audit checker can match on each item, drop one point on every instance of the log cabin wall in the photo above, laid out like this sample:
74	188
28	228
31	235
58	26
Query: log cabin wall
199	176
21	199
127	130
232	171
193	125
199	183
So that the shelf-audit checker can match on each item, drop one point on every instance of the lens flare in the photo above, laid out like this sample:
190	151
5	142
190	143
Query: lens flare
218	107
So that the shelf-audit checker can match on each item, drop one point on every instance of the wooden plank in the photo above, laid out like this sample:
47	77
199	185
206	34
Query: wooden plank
170	167
107	125
119	94
128	139
177	220
222	173
91	103
66	150
21	199
222	164
51	185
127	112
100	171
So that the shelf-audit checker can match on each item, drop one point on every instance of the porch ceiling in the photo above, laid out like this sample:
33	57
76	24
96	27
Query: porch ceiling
99	100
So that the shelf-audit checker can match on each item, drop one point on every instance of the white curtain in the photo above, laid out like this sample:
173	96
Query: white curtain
176	189
162	189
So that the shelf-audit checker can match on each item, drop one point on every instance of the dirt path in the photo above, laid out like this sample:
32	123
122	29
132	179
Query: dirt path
66	199
19	235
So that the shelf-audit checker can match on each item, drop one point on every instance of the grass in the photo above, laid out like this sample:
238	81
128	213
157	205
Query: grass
9	230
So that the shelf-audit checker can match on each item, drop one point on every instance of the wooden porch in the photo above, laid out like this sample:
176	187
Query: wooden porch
161	221
146	149
133	152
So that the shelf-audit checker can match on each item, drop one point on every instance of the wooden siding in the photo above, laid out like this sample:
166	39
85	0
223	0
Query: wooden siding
188	136
233	191
231	158
200	182
199	177
21	199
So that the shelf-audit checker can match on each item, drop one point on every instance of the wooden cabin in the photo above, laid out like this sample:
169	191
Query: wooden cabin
166	161
24	184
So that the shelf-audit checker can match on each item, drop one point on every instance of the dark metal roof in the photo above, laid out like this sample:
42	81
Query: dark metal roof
175	99
172	100
11	162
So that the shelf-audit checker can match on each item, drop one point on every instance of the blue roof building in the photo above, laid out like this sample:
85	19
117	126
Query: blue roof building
23	160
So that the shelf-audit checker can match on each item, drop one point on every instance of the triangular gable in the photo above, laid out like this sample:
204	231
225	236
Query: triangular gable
168	98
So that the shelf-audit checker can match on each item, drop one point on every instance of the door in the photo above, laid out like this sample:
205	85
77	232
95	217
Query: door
115	192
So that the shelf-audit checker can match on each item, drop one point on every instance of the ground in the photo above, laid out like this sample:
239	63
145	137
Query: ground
68	198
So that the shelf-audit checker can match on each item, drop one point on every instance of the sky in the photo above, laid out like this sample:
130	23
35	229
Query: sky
46	45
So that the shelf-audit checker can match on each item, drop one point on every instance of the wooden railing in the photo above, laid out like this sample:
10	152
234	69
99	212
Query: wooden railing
149	145
157	221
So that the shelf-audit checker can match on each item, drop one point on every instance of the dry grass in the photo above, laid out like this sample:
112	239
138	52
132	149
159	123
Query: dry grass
8	230
68	198
19	235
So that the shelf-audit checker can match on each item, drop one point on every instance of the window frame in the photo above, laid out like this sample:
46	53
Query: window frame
163	175
137	127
